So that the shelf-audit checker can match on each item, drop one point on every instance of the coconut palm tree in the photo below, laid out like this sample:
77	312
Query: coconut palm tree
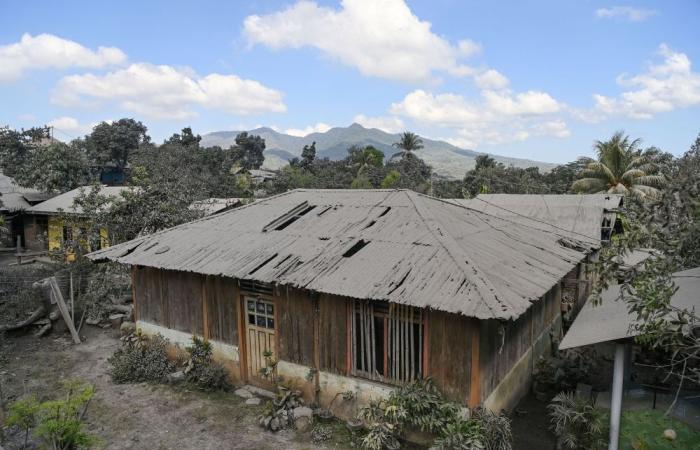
408	142
621	169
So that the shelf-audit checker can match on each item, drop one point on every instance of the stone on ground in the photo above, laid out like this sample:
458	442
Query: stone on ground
243	393
253	401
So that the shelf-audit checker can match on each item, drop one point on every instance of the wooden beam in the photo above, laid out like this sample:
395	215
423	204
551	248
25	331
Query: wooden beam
56	292
133	293
426	343
205	309
475	375
349	341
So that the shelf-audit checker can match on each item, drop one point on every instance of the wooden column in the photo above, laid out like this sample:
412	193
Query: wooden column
475	375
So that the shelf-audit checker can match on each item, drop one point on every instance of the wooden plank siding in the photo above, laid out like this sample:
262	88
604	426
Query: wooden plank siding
294	329
502	344
333	312
179	300
450	352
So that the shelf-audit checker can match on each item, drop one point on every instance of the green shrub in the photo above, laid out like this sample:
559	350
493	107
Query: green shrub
141	359
577	422
57	423
461	434
201	370
420	405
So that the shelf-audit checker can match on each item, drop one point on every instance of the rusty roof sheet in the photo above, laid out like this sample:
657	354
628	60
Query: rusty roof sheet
393	245
577	215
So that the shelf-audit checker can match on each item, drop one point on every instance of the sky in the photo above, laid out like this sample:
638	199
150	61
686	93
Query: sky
533	79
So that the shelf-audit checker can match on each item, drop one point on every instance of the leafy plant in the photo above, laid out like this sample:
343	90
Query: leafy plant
461	435
140	359
496	429
278	413
201	370
577	422
22	414
381	436
57	423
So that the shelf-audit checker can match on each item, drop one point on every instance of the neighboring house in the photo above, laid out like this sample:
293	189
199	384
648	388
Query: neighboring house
259	175
111	173
588	216
48	219
14	201
216	205
359	290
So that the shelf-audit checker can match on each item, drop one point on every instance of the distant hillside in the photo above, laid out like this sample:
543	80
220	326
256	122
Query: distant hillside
445	158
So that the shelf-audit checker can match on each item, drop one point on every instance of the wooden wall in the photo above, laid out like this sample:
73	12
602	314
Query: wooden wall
450	353
333	332
502	344
294	329
187	302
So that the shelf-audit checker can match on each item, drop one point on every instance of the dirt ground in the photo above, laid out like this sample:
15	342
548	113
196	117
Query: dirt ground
139	416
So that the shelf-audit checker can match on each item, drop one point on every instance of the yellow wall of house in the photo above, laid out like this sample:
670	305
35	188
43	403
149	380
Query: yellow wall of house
55	235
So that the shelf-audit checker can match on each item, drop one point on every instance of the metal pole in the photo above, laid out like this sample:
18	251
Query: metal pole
616	399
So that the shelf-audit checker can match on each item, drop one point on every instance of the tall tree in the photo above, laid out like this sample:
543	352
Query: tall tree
56	168
114	142
248	151
185	139
308	155
621	168
408	142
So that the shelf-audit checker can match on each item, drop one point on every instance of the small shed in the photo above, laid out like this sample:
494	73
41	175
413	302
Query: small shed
610	321
360	290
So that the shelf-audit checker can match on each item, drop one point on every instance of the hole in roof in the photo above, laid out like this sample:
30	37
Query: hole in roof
388	208
289	217
370	224
398	285
260	266
162	249
359	245
324	210
150	246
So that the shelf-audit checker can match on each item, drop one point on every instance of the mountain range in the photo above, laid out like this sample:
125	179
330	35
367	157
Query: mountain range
446	159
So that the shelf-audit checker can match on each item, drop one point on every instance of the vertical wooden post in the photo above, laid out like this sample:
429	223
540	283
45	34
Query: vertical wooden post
133	293
72	299
350	337
317	345
475	376
205	309
426	343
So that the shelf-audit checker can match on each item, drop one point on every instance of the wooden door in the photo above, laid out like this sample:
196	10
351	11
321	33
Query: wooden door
260	337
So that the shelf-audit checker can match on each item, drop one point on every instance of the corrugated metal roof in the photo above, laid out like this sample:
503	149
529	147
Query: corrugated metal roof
578	215
610	320
64	202
418	250
214	205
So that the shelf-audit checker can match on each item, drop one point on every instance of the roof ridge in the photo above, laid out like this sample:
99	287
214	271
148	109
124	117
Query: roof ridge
462	265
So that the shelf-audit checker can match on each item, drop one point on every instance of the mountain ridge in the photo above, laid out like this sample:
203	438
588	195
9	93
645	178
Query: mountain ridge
445	158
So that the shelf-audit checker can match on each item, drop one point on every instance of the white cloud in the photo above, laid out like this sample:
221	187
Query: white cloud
46	51
389	124
664	87
625	13
320	127
27	117
381	38
499	117
491	79
65	123
166	92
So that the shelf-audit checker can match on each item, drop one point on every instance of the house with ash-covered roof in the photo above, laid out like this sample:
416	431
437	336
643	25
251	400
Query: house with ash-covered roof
360	290
586	216
45	225
14	201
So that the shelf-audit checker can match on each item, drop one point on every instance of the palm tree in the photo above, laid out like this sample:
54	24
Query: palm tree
408	142
621	169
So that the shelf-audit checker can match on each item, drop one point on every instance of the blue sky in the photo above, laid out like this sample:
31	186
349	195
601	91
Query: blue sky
536	79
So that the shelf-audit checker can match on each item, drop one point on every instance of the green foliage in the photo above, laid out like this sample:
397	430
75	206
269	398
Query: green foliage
201	370
361	182
57	423
644	429
577	422
420	405
140	359
308	154
114	142
461	434
391	179
381	436
248	151
409	142
622	169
